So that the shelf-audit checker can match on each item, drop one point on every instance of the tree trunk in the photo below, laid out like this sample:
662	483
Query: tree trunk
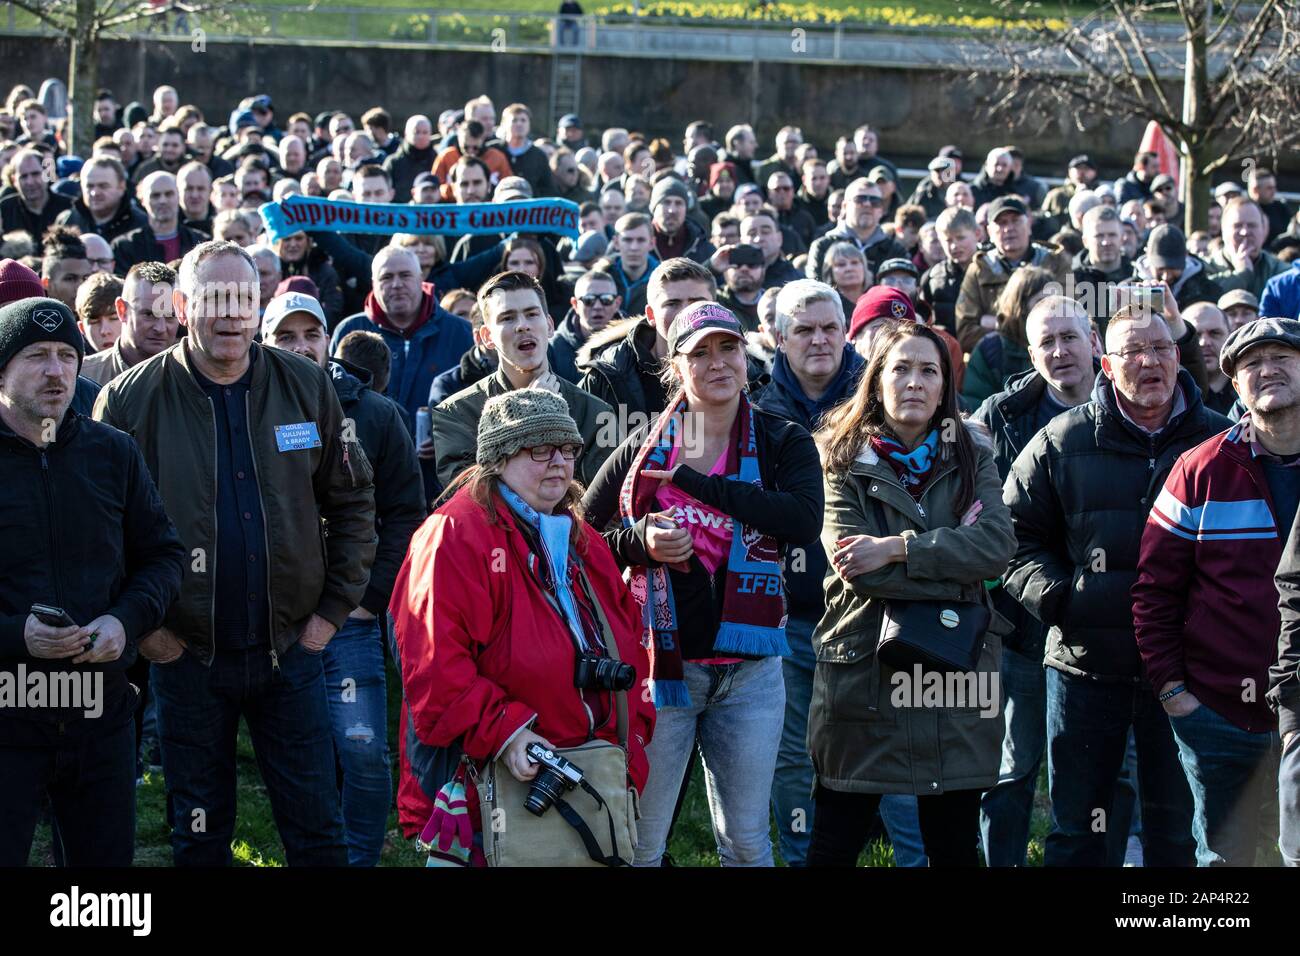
1196	187
1196	98
83	76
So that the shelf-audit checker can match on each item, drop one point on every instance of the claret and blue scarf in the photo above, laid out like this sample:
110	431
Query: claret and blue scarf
753	624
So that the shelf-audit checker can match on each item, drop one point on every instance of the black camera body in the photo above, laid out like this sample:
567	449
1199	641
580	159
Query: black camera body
555	777
602	673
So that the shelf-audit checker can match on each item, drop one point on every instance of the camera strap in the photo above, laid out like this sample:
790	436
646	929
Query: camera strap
611	648
589	841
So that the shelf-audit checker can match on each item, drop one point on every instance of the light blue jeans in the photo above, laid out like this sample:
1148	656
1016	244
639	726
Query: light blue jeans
357	696
736	711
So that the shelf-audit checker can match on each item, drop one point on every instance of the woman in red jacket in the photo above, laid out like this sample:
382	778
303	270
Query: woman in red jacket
493	605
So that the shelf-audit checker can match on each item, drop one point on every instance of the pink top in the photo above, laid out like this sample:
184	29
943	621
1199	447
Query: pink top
710	529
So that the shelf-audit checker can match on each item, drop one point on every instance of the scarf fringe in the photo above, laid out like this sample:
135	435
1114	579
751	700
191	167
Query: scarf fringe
752	640
669	693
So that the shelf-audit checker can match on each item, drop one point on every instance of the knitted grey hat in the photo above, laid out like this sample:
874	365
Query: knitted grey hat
523	418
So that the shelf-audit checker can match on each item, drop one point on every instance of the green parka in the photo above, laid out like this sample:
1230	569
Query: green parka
860	741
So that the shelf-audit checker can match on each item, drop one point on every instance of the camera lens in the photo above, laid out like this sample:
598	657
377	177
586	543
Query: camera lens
616	675
547	785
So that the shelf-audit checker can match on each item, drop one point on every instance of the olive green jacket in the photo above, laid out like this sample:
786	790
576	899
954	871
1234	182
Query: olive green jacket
318	503
455	427
859	739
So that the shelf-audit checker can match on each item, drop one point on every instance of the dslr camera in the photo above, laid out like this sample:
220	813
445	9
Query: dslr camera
555	777
602	673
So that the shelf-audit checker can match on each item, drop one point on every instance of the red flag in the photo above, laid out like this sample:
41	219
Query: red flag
1155	141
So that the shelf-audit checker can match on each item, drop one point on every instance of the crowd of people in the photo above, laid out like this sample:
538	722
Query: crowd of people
868	503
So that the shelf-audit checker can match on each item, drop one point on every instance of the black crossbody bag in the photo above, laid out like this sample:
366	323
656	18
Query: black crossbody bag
943	636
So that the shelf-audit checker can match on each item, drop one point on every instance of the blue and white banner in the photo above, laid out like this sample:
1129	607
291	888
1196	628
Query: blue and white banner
299	213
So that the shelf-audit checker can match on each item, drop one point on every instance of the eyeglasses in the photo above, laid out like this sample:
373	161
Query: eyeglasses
1159	352
547	452
874	200
605	298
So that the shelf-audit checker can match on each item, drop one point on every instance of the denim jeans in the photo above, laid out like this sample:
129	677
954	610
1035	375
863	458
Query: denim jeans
1288	794
91	787
1088	724
1006	808
1231	773
792	801
357	692
198	723
737	710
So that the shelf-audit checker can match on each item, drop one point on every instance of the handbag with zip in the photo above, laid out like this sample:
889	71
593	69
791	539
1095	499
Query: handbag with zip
943	636
593	824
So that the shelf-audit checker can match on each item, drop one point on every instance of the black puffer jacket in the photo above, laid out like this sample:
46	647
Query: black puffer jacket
1079	495
619	367
84	530
788	507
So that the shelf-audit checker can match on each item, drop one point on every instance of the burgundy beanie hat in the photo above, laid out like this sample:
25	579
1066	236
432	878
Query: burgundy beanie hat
880	302
18	282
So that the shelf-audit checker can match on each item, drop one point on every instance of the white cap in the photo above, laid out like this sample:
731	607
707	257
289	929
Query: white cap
284	305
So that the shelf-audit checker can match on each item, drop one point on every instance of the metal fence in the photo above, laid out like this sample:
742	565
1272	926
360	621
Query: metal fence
859	42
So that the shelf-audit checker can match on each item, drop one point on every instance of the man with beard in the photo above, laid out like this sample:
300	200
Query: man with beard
1205	608
85	532
744	284
675	233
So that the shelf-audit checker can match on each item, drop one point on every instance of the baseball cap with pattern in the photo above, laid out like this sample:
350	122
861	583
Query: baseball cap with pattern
282	306
696	321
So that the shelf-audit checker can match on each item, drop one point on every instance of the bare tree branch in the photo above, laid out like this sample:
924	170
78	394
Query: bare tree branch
45	12
1140	47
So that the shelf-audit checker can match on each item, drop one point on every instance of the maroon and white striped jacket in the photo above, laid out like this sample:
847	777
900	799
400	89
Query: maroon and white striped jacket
1204	606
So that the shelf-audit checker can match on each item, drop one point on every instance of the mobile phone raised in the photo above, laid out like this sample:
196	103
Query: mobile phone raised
52	616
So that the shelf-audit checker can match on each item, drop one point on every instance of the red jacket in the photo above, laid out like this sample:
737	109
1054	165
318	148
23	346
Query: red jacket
483	653
1204	605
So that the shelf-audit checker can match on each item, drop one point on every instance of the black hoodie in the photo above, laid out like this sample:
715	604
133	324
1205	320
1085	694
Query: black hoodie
399	487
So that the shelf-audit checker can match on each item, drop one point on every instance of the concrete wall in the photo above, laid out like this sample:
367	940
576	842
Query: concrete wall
916	109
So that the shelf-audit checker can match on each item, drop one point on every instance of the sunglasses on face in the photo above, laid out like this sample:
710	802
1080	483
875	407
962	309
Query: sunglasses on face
547	452
604	298
862	200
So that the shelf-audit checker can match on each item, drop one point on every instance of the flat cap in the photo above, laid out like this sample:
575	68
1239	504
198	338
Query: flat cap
1283	331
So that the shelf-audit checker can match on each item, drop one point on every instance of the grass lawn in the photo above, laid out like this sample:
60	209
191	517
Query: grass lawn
257	842
376	20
